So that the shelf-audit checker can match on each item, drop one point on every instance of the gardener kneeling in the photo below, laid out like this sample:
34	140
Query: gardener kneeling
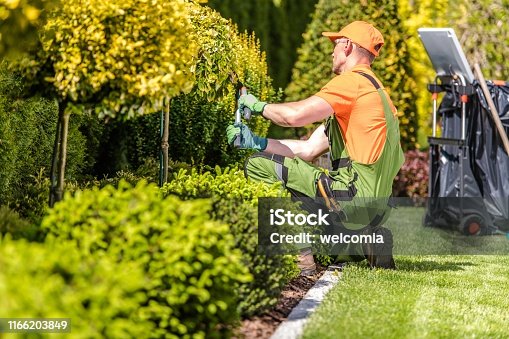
361	132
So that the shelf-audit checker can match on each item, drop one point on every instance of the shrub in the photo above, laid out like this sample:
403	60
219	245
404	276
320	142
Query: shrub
278	24
30	199
53	280
11	223
188	259
27	134
412	179
235	203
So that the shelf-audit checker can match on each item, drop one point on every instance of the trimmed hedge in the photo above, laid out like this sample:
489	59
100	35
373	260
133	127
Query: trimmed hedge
53	280
279	25
189	260
235	203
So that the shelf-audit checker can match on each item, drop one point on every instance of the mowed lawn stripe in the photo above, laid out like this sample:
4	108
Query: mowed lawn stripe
427	297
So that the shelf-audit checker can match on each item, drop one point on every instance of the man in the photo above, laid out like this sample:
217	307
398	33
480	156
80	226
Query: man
361	131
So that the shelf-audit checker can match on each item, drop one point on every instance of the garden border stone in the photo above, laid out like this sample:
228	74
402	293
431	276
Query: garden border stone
293	326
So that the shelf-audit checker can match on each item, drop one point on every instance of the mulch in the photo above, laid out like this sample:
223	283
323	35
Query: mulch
263	326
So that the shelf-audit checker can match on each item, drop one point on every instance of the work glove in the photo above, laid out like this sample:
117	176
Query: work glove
248	140
250	101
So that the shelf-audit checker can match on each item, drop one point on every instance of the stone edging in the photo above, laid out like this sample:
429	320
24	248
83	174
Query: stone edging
293	326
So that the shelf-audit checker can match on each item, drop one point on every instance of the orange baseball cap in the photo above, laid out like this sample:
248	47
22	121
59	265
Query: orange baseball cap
362	33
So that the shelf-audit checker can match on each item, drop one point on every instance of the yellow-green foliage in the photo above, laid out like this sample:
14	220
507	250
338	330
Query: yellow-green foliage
198	120
188	260
226	183
313	67
417	14
482	29
101	295
235	202
125	56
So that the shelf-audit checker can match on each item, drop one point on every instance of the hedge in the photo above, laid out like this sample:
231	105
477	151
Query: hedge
27	134
189	260
101	295
235	203
19	228
279	25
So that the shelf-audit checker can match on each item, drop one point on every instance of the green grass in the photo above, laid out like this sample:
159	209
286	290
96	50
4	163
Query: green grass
411	238
429	296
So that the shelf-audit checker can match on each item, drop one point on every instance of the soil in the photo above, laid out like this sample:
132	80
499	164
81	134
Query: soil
263	326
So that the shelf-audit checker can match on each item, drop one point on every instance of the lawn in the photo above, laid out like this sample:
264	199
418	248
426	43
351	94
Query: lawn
429	296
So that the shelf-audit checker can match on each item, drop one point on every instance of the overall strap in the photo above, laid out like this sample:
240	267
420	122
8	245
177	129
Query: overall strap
370	78
389	118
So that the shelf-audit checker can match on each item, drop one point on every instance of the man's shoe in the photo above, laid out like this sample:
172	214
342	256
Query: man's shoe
379	255
306	262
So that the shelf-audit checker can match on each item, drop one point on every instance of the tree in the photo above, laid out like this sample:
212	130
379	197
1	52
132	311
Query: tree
392	66
199	118
118	58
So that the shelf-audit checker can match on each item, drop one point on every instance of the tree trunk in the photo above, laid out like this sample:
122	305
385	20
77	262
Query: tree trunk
57	179
164	143
54	159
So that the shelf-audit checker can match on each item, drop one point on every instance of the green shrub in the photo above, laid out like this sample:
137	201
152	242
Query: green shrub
101	295
31	197
11	223
235	203
278	24
190	265
27	134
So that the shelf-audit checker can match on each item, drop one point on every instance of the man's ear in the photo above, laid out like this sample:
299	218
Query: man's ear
348	47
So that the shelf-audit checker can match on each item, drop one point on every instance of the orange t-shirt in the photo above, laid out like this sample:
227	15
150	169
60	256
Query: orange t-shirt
359	110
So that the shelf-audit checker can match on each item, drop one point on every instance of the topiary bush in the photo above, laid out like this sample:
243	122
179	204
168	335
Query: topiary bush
100	294
278	24
198	119
189	260
235	203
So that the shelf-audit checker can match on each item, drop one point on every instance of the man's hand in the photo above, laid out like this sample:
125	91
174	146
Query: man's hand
248	140
250	101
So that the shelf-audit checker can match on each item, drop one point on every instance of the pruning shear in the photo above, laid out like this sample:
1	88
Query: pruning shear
240	90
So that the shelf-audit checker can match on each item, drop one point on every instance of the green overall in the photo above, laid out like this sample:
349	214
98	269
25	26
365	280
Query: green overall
362	190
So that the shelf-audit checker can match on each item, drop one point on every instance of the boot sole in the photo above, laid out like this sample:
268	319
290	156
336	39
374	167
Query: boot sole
381	257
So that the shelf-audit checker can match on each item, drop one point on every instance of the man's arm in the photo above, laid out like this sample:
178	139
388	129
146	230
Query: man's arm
298	113
307	150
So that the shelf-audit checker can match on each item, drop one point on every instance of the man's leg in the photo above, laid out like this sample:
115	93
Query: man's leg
298	177
358	212
302	179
